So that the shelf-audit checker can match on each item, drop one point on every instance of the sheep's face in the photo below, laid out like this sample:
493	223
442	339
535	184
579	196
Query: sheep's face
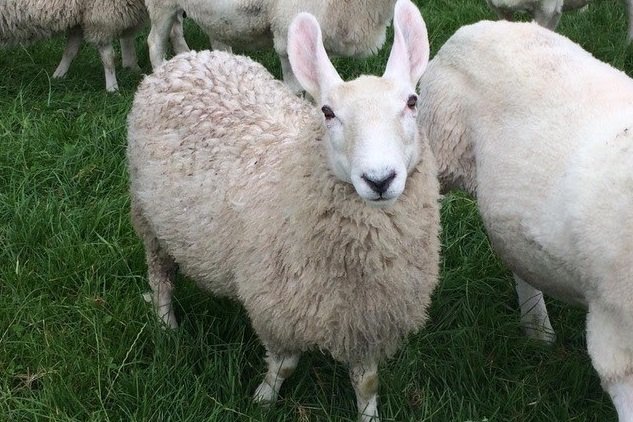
371	130
371	136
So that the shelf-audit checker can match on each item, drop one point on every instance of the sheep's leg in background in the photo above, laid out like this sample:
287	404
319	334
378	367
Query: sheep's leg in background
610	347
128	51
505	14
548	14
220	46
569	5
280	367
365	382
177	36
288	75
75	37
162	23
629	5
107	58
534	317
161	270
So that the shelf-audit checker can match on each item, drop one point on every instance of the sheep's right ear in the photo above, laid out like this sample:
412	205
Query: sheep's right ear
308	58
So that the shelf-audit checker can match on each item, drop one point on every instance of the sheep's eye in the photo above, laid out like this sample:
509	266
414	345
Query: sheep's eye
412	101
327	112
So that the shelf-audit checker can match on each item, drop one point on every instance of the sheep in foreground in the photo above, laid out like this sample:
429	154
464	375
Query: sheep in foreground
545	12
302	216
26	21
541	133
350	28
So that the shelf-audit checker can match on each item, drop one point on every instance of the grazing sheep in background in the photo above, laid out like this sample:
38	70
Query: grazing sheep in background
545	12
303	216
350	28
26	21
541	133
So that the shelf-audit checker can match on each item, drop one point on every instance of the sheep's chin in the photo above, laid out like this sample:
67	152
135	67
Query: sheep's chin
381	202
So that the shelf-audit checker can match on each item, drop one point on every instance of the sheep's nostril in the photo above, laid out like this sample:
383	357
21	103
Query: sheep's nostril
379	186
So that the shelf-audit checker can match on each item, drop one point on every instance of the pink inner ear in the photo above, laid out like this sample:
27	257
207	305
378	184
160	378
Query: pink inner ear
303	52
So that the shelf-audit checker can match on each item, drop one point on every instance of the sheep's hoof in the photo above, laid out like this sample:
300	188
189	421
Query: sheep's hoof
540	334
265	395
133	67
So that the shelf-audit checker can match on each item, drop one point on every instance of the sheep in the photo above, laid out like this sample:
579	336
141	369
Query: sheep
350	28
304	217
545	12
539	131
25	21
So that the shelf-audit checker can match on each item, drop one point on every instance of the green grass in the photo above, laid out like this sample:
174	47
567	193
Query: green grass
77	342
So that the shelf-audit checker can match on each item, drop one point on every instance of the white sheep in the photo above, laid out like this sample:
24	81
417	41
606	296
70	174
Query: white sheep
545	12
26	21
302	215
350	28
541	133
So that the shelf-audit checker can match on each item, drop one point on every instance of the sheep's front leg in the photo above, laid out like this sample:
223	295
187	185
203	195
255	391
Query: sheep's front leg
621	392
75	37
107	58
534	317
610	347
365	382
280	367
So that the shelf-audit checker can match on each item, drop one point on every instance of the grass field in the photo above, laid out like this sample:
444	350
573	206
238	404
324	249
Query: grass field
77	342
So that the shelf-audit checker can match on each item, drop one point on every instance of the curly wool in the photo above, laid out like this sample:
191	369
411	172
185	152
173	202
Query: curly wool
228	173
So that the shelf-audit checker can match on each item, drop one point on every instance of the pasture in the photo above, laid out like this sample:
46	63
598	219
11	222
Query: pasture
77	341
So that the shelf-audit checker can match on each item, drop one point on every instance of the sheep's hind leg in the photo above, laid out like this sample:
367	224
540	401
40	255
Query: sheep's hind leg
75	37
177	36
534	317
161	270
610	347
365	382
280	367
107	58
162	23
220	46
629	5
548	15
128	51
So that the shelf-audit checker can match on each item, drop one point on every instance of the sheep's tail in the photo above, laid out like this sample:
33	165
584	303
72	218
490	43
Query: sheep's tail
23	21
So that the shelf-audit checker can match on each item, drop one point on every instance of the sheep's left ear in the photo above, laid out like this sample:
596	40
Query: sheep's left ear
410	52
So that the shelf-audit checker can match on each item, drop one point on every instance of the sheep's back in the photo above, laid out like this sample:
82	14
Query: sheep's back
103	21
536	104
202	130
24	21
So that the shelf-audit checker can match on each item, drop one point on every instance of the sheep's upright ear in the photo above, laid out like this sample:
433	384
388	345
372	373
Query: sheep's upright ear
410	52
308	58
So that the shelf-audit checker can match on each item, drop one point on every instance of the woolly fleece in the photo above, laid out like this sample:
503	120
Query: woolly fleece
229	177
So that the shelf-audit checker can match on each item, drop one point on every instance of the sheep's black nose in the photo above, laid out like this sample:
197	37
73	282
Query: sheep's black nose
379	186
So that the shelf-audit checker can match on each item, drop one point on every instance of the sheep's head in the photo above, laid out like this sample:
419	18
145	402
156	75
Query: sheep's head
371	132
